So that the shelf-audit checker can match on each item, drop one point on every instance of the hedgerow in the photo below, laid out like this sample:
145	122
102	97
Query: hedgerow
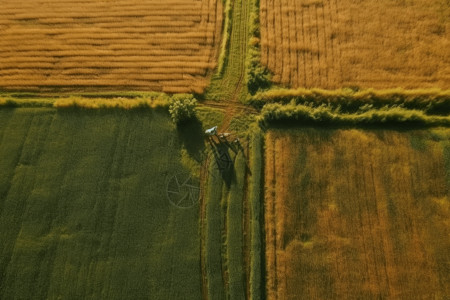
257	76
122	100
431	101
327	114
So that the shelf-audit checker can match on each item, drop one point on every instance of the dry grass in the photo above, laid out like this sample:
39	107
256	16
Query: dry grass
123	103
366	44
158	45
357	214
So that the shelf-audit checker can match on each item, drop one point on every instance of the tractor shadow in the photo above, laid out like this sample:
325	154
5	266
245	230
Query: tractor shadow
224	153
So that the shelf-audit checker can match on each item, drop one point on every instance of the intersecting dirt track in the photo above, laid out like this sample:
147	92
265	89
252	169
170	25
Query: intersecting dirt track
158	45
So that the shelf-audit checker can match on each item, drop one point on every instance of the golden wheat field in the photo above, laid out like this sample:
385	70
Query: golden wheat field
159	45
358	44
357	214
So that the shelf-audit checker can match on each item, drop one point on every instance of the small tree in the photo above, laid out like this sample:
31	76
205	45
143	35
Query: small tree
182	108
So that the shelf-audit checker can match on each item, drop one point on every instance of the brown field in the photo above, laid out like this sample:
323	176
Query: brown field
366	44
354	214
159	45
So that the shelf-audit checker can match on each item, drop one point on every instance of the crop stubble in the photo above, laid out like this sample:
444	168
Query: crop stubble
368	220
379	44
157	45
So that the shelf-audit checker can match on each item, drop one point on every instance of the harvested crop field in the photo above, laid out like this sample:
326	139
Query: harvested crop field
156	45
359	44
360	214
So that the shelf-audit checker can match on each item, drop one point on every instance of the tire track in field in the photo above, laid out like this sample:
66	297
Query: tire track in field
202	202
231	107
7	249
246	229
270	222
57	183
31	158
242	32
116	162
224	245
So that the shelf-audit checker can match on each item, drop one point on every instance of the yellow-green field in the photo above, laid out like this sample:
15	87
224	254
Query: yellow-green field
357	214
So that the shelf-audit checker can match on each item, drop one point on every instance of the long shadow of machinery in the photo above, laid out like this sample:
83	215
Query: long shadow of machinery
224	147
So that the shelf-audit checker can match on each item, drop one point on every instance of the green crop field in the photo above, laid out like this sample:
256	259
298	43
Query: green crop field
84	211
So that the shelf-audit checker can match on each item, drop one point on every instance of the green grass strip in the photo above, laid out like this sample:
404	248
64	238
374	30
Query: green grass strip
213	244
234	230
224	85
256	161
225	46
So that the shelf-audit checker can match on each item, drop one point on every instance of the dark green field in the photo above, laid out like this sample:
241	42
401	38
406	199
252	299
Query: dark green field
84	211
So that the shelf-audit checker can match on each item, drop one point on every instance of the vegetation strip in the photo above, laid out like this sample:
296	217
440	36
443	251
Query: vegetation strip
234	241
256	221
213	244
225	45
432	101
181	106
328	115
228	86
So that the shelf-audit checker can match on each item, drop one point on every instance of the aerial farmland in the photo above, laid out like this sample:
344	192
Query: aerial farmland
224	149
